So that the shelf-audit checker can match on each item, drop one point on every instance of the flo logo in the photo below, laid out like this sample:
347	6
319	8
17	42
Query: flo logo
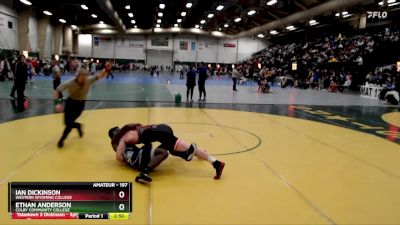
377	14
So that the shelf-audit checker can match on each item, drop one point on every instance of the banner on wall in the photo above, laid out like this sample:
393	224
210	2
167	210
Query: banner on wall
183	45
159	41
193	46
206	45
102	41
129	43
136	43
229	45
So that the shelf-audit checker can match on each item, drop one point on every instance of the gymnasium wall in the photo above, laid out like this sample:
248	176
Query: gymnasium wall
33	34
103	47
207	48
183	47
48	46
85	45
8	36
130	47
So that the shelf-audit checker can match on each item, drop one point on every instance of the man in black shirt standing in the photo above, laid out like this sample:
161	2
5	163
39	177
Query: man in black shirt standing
202	81
21	76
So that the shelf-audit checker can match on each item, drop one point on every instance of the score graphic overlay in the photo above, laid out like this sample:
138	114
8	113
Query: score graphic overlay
70	200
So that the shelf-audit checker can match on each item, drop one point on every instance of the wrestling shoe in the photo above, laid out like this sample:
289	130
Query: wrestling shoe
60	144
191	152
80	131
218	166
143	178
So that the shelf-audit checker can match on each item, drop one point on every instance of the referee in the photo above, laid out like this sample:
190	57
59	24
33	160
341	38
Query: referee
78	89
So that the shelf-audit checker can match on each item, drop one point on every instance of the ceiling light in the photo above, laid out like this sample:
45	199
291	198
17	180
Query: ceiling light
393	4
391	1
159	21
107	31
162	6
226	25
47	13
179	20
160	14
183	13
74	27
133	21
94	15
220	7
158	29
130	15
26	2
176	25
291	27
188	5
201	27
217	33
313	22
260	35
251	12
273	32
158	25
101	22
219	29
84	7
135	26
345	13
196	30
128	7
202	21
62	20
237	20
272	2
210	15
337	14
196	26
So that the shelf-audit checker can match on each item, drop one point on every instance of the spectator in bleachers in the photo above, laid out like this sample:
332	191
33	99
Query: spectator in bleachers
336	54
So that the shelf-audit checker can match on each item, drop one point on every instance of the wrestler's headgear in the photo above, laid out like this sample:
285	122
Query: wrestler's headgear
113	131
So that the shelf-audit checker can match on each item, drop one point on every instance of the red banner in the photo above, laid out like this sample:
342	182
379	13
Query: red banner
44	216
229	45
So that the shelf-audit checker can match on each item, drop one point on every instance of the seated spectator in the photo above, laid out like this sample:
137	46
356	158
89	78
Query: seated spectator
333	86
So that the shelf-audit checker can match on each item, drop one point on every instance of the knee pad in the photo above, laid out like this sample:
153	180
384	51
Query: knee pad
182	155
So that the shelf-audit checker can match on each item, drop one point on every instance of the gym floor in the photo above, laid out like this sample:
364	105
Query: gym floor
292	156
